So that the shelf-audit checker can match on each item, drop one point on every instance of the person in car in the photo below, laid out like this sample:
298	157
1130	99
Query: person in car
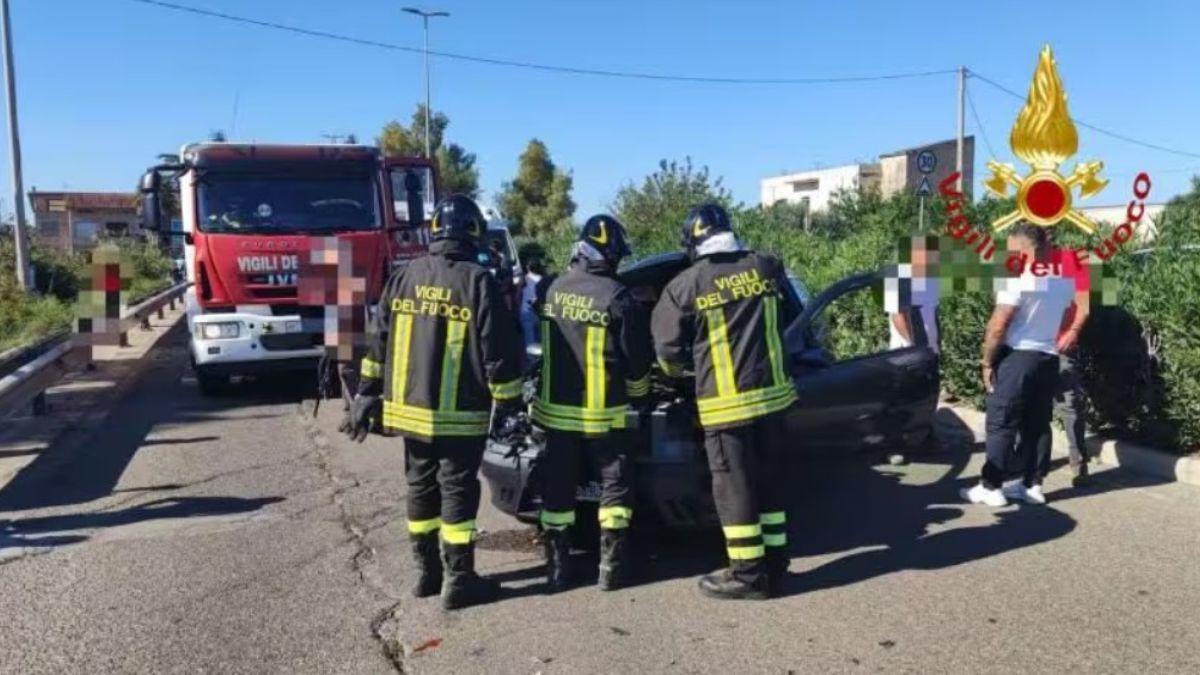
596	357
1020	369
723	319
442	348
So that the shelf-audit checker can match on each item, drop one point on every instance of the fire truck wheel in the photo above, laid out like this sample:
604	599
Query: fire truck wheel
211	384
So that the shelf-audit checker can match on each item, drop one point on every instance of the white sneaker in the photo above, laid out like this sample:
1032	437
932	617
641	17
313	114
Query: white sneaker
1017	490
982	495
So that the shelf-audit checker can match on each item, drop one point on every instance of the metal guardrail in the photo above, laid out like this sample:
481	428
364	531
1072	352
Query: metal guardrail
28	371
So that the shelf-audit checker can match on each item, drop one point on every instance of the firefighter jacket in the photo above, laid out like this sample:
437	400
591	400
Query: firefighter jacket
442	345
596	352
724	316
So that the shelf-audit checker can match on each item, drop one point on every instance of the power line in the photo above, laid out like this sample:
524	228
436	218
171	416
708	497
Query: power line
539	66
979	123
1100	130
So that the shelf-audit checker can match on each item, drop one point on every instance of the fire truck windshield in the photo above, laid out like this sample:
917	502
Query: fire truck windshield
287	204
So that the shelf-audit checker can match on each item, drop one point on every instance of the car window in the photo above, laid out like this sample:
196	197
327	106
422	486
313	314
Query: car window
857	325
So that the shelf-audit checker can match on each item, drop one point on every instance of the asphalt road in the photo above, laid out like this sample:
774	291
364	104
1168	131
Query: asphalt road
238	535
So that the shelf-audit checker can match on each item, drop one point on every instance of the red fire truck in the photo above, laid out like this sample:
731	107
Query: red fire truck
251	214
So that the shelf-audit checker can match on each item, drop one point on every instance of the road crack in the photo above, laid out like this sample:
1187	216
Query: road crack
382	625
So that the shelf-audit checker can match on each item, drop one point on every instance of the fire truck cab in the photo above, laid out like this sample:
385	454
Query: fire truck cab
258	218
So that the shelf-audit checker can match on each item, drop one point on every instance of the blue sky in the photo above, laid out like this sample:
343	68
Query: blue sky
105	85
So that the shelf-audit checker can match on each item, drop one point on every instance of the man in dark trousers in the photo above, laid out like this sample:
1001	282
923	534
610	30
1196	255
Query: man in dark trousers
596	357
443	346
723	318
1020	369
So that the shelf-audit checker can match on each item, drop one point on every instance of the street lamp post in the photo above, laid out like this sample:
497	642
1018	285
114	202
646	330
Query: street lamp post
425	16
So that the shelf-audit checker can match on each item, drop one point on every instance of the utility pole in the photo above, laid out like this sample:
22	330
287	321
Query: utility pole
962	123
425	16
14	139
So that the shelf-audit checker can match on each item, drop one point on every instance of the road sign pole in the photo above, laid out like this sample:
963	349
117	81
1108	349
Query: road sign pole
14	139
921	218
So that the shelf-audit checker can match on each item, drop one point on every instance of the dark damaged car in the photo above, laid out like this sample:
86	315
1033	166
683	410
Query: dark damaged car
844	406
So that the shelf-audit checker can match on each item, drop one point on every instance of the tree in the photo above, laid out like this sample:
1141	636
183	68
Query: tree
654	211
538	201
455	165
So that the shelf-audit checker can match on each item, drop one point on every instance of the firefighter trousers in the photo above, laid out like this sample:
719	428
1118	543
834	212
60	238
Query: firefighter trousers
443	486
566	454
749	478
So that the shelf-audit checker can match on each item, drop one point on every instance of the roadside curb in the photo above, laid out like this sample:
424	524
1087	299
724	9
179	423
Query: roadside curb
1124	454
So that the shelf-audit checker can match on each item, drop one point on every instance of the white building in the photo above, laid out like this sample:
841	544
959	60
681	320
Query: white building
815	188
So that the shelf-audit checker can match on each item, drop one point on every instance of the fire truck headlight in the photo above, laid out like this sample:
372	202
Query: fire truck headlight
223	330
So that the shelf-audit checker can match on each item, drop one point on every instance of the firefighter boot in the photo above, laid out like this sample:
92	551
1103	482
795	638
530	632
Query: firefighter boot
462	587
429	566
558	559
777	566
614	559
744	580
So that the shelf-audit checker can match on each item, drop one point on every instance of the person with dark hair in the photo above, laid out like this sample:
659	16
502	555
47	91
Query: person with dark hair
1020	369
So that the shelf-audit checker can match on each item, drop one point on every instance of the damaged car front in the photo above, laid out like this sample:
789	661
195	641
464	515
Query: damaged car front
883	397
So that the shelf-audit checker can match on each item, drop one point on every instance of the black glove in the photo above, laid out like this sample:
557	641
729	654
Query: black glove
364	412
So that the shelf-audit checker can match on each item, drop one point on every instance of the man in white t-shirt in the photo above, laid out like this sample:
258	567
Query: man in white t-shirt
1020	369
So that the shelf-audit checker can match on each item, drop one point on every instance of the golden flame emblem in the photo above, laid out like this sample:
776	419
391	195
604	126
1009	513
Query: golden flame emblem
1044	137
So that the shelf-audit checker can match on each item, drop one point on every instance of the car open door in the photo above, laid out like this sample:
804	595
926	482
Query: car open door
887	396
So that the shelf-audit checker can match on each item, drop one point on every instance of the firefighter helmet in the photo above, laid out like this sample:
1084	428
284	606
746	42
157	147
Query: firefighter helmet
607	235
458	217
702	223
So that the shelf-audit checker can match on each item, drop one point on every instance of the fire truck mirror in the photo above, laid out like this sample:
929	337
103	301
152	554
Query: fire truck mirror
150	208
414	189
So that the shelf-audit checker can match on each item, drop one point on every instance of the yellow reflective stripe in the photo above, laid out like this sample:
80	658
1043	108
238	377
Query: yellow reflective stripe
594	367
742	531
546	360
505	390
639	387
718	349
401	344
774	345
431	423
456	334
596	415
557	519
773	518
670	369
746	552
459	533
370	368
564	418
719	403
748	412
427	415
775	539
424	526
615	517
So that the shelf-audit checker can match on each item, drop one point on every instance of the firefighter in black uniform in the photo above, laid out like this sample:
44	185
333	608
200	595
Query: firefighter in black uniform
723	317
596	356
443	346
